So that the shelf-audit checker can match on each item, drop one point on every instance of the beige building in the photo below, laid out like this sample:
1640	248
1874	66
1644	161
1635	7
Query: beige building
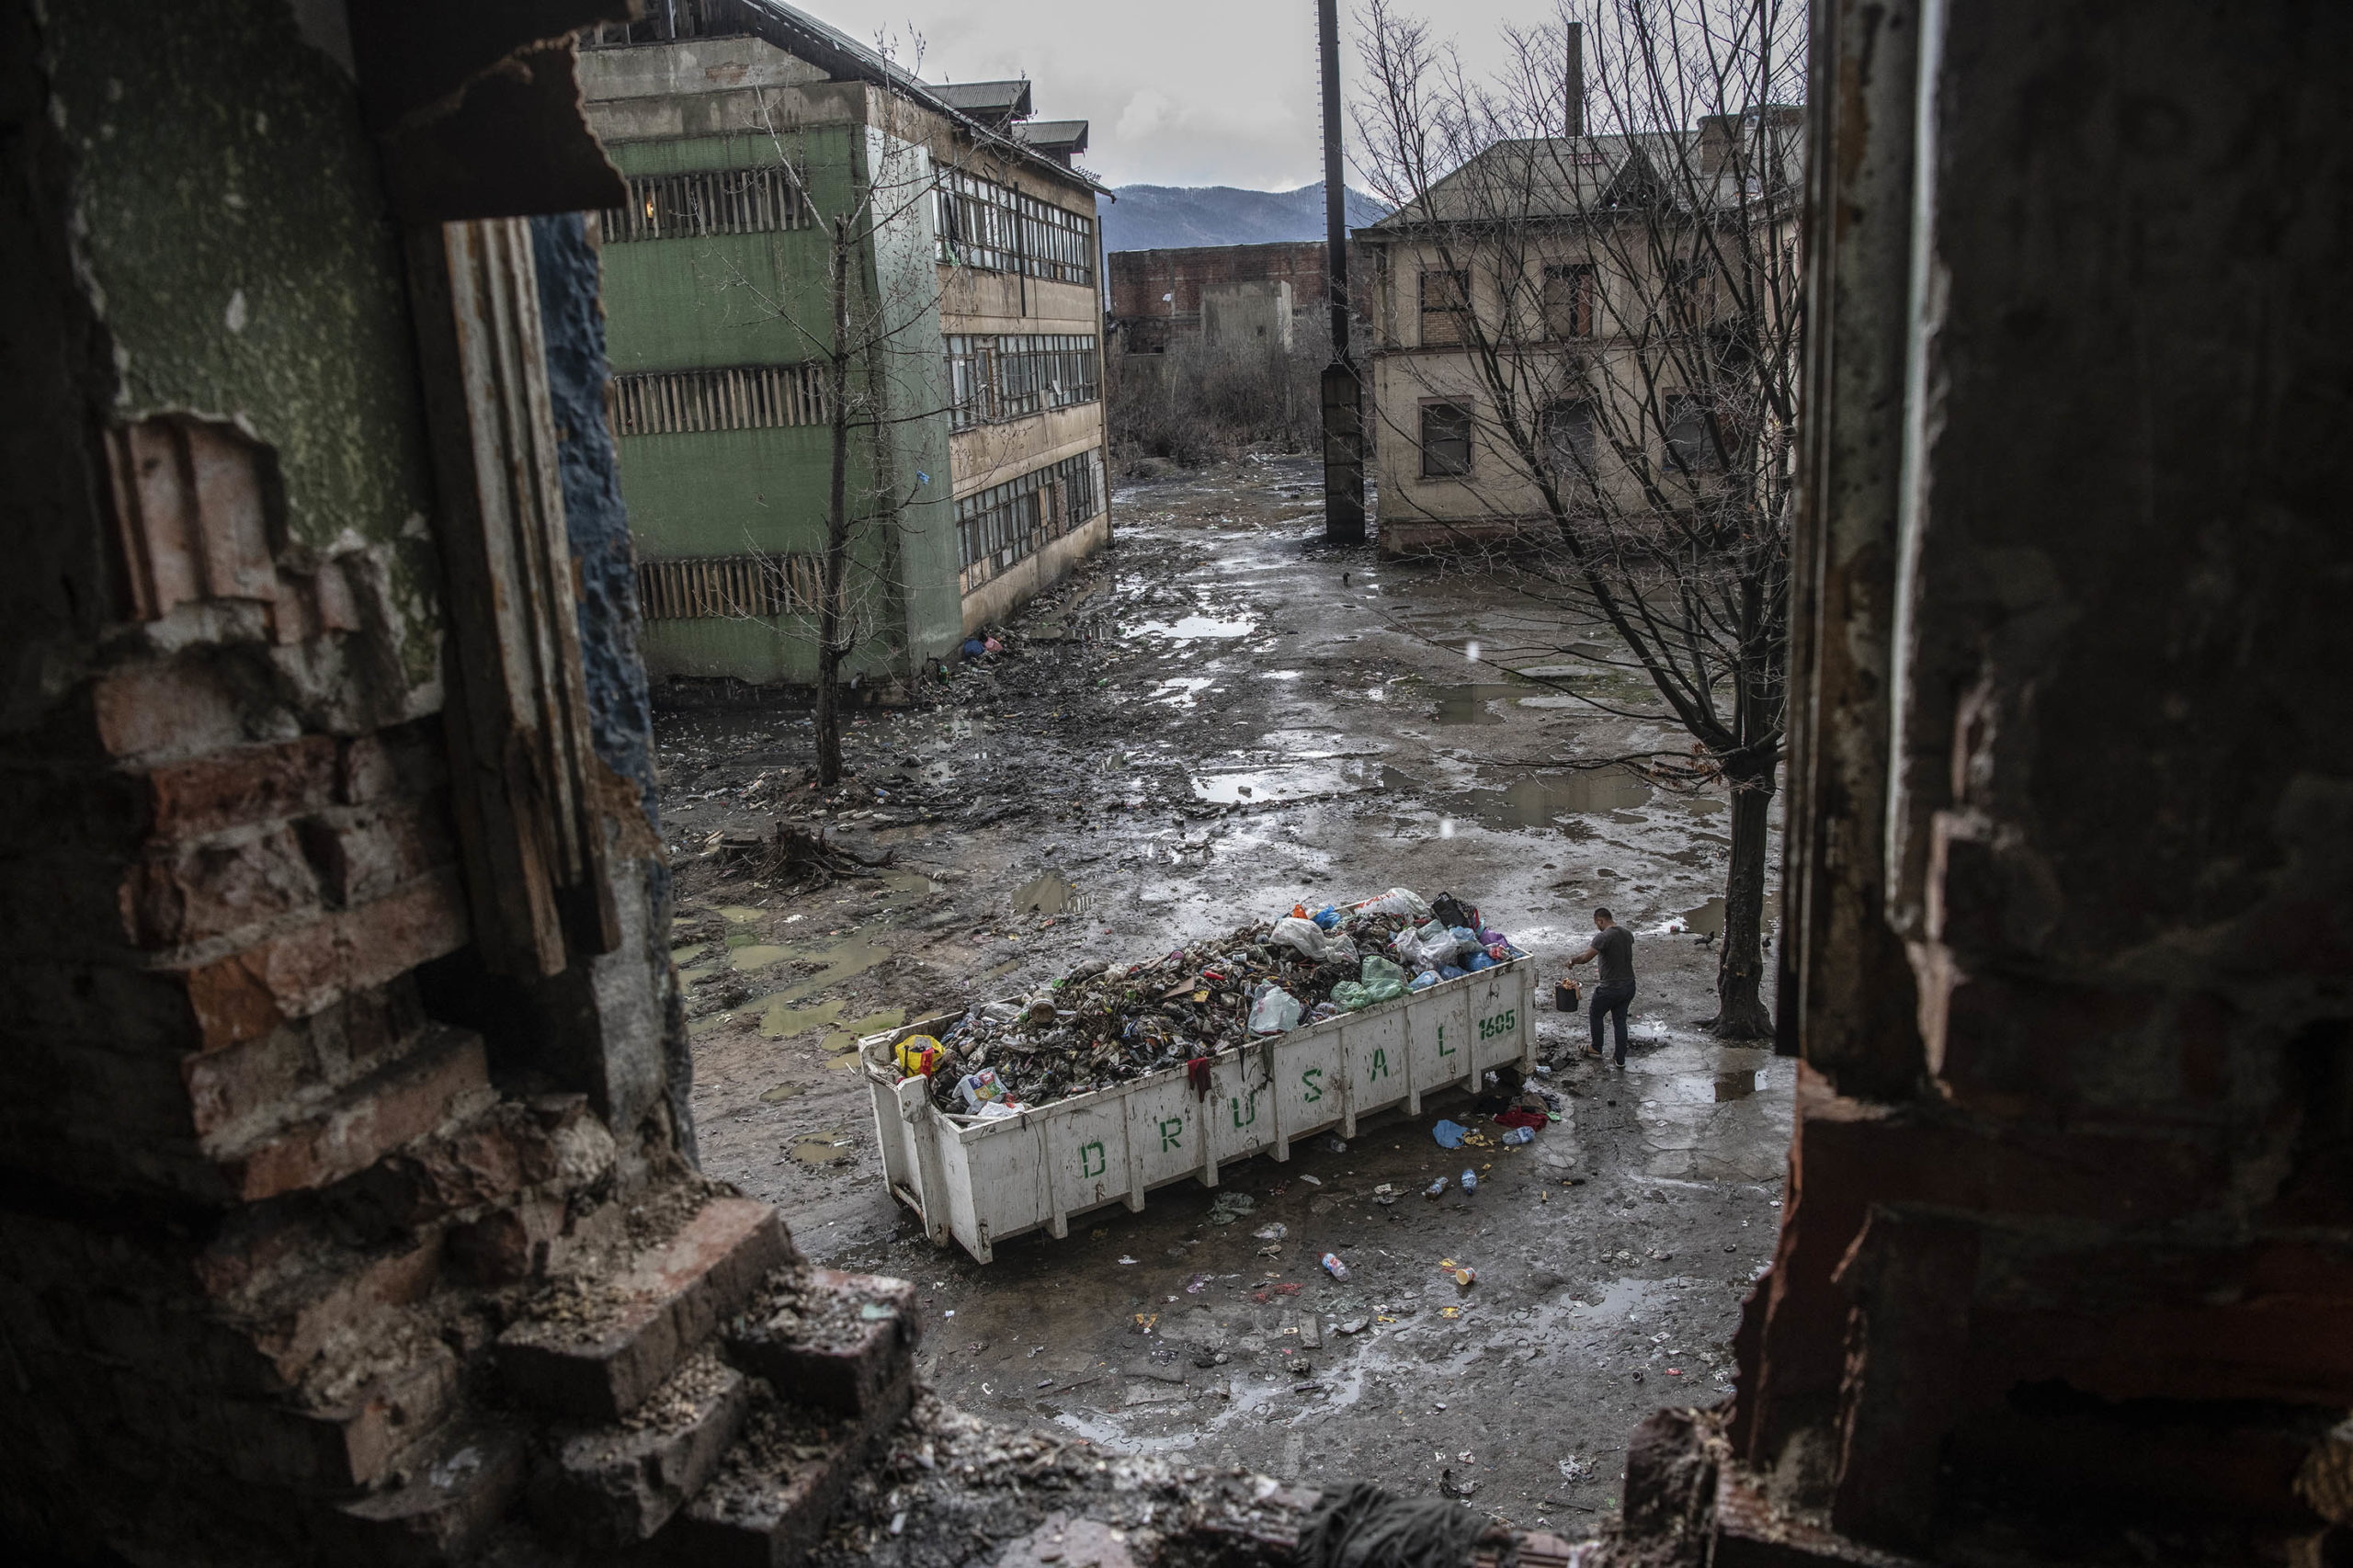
1578	326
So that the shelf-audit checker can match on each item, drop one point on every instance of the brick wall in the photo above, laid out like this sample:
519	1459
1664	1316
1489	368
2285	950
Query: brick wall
1139	279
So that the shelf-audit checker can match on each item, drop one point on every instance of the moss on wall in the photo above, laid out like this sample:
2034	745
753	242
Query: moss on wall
242	252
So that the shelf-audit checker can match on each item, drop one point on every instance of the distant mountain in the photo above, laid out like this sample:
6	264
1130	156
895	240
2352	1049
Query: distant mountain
1158	217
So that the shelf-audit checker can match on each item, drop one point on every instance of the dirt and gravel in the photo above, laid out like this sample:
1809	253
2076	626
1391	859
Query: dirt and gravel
1217	719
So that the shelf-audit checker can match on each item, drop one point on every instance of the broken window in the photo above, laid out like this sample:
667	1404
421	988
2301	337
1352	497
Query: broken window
1568	440
1446	303
1446	441
1691	435
737	397
995	227
707	201
728	586
999	526
1011	375
1568	301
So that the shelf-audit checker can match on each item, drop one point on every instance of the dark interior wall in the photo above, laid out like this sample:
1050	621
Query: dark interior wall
2077	1229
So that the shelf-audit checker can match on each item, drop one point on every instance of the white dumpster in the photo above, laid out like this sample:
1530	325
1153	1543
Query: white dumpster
983	1181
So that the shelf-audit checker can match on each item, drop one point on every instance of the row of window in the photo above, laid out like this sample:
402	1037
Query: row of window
1566	430
1009	375
716	586
995	227
738	397
999	526
1566	301
707	201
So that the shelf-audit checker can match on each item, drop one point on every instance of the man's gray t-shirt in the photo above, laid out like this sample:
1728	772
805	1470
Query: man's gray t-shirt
1616	947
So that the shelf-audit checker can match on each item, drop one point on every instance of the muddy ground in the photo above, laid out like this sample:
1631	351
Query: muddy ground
1215	718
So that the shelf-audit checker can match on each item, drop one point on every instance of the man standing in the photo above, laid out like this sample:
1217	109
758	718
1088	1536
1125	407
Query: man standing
1614	945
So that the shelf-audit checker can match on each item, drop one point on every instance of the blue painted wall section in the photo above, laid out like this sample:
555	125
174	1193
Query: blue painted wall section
621	712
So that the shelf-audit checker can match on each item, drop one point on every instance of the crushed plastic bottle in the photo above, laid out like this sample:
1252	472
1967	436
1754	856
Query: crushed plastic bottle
1435	1189
1519	1135
1470	1180
1333	1266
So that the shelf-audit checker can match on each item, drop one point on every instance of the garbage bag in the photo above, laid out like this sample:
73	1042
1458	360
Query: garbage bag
1379	971
1397	901
1476	962
1327	917
1355	997
1449	1134
1275	1013
1423	981
1306	936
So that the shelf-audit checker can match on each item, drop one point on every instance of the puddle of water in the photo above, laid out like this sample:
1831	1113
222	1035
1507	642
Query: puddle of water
1300	782
1279	675
782	1020
852	955
1186	629
1049	894
739	913
1534	800
1708	919
1182	692
680	956
1735	1085
1468	704
783	1092
821	1149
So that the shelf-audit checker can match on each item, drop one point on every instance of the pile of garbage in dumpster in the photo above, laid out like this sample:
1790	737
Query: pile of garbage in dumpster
1102	1024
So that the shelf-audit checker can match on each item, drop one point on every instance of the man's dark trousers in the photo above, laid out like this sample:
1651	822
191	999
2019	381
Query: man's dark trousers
1611	1001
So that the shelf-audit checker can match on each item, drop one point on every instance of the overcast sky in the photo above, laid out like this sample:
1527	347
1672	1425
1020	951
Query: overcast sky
1180	92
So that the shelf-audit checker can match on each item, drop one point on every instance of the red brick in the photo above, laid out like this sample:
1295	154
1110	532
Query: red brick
182	709
298	972
456	1493
189	893
614	1486
364	1122
669	1301
243	786
364	854
777	1490
337	1299
838	1344
352	1037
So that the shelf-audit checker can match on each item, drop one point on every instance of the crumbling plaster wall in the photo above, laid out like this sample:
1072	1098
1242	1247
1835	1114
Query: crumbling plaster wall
2071	1227
257	1184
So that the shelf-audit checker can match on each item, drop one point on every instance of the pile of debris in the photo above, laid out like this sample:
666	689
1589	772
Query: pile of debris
1102	1025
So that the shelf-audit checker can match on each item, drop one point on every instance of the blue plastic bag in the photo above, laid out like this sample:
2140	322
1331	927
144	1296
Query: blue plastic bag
1328	917
1449	1134
1477	962
1448	971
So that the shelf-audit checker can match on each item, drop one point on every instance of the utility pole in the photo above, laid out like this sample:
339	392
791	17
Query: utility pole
1343	393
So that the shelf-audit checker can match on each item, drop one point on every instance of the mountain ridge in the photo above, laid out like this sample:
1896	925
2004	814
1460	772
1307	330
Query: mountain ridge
1164	217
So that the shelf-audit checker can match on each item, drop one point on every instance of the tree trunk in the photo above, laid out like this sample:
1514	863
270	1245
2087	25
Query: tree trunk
831	643
1741	1012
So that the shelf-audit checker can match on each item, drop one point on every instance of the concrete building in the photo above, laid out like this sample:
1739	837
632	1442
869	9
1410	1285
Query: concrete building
1565	281
977	447
1219	294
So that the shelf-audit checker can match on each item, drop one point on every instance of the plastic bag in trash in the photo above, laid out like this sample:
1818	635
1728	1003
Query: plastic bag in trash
979	1088
1449	1134
1327	917
1423	981
1277	1012
1302	935
1476	962
1397	901
997	1111
1448	971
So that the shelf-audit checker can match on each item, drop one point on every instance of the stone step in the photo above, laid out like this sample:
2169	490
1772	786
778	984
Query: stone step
613	1486
775	1491
453	1492
333	1134
836	1342
594	1352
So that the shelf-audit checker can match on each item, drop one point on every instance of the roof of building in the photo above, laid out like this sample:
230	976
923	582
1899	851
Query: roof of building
1573	177
995	102
1052	135
840	56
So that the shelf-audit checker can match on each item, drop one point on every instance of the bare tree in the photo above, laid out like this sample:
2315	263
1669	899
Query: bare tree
883	202
1589	328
